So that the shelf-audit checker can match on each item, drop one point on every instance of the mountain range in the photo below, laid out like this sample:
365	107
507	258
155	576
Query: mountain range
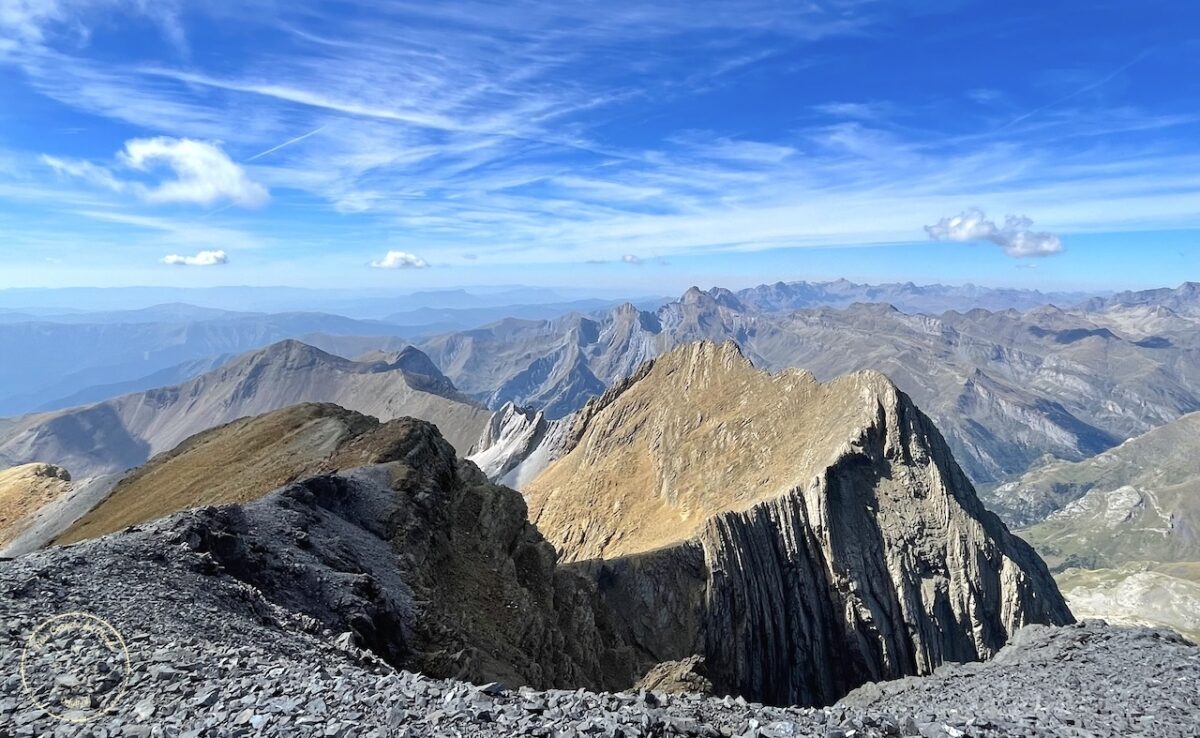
807	536
98	443
138	338
64	360
1007	388
1011	390
870	545
700	525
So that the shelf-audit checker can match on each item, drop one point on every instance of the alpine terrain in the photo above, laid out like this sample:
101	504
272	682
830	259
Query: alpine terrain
1123	528
768	523
98	443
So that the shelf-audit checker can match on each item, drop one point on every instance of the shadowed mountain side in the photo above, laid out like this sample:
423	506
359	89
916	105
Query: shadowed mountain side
410	550
434	568
821	534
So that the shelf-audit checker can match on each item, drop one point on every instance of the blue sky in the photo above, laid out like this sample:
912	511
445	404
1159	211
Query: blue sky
639	143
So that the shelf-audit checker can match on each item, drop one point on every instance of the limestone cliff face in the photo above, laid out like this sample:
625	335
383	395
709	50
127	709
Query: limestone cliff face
804	538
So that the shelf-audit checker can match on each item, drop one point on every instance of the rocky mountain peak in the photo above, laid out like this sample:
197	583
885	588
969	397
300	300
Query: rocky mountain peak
697	298
726	298
700	357
290	352
830	515
625	309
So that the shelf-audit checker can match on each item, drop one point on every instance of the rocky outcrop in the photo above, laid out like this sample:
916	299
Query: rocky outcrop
211	655
409	550
803	537
24	490
254	455
677	677
517	444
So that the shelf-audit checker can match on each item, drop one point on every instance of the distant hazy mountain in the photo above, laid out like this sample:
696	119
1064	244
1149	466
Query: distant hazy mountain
1184	299
354	347
1006	388
354	302
162	378
440	320
907	297
99	443
58	360
124	432
175	312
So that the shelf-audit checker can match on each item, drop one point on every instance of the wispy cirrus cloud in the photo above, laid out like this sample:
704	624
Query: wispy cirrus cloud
202	173
537	132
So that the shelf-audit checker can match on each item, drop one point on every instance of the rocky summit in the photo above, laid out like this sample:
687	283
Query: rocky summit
803	537
218	657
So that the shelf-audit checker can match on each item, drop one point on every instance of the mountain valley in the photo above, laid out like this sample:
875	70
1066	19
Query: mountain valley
690	521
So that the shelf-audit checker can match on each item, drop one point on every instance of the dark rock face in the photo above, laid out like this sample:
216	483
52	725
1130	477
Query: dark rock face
883	564
211	656
420	560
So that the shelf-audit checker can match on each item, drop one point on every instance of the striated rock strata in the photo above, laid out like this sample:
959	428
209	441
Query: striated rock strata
803	537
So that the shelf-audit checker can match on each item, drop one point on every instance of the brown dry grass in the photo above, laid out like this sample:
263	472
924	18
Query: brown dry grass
24	490
234	463
703	433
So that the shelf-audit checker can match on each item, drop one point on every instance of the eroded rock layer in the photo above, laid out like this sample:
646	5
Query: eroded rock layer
804	538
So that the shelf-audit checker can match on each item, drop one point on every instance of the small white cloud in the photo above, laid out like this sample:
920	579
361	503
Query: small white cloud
203	173
1016	237
400	260
631	259
202	259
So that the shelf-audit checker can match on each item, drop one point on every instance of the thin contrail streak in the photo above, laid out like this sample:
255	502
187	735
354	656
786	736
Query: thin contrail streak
285	144
1080	91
